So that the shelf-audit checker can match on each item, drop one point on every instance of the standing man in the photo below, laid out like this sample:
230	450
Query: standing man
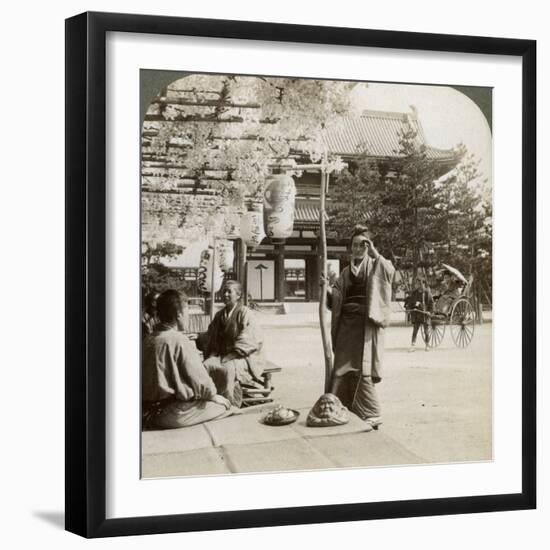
176	389
360	303
419	301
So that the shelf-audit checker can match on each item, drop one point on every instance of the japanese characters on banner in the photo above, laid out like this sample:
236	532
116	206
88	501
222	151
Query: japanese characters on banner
231	225
225	254
205	272
252	225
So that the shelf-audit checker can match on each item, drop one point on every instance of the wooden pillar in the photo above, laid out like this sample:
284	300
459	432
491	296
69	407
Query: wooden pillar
309	280
279	272
313	276
241	267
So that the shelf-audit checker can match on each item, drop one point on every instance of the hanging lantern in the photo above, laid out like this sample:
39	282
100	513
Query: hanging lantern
225	254
205	272
231	225
252	225
279	207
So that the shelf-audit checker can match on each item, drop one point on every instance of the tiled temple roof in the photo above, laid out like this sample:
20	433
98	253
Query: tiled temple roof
306	212
377	134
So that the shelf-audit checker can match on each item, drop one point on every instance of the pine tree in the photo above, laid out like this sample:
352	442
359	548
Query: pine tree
418	217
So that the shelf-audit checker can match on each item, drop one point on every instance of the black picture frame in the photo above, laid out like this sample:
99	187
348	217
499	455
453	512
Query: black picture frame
86	279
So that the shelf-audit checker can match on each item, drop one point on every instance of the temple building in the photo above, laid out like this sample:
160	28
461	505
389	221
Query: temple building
286	272
292	270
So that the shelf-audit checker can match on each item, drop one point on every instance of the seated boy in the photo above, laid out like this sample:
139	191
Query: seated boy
232	346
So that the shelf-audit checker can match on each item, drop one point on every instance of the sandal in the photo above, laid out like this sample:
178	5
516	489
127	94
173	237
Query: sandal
373	423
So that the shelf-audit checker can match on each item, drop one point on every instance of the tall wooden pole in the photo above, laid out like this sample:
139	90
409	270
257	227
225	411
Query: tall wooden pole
322	262
325	332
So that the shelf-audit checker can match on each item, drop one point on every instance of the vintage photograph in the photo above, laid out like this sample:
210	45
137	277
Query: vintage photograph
316	274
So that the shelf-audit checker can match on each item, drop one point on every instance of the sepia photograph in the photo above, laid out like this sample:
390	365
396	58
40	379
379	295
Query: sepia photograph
316	274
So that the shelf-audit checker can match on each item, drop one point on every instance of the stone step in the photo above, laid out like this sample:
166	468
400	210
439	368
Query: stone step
271	308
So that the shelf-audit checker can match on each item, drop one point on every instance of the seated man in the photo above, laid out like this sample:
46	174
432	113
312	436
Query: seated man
232	346
149	317
176	389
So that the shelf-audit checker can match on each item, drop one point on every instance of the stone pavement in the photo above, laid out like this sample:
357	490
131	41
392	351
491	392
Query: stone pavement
437	408
243	443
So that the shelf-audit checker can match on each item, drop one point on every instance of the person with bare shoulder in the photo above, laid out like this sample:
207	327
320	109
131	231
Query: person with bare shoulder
176	388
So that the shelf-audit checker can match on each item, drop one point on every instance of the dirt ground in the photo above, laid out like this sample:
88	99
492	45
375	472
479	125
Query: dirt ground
436	408
437	404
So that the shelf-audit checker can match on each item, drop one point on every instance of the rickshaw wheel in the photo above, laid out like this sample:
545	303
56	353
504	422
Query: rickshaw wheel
462	323
437	332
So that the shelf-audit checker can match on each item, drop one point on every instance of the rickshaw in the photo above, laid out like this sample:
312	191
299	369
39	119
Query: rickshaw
452	307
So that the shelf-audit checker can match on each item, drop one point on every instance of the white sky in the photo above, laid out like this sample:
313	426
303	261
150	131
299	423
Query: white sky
447	116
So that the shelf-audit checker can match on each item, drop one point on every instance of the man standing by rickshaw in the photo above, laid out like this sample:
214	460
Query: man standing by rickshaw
420	305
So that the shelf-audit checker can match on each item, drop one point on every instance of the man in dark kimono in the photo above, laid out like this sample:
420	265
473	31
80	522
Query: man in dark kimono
360	303
233	346
417	302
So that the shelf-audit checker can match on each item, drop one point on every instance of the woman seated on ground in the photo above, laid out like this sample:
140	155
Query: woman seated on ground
232	346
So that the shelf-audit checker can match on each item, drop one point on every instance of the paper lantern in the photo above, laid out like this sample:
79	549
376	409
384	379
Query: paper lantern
252	225
205	272
231	225
279	199
225	254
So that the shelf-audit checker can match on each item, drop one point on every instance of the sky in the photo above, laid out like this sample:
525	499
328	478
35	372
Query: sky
447	116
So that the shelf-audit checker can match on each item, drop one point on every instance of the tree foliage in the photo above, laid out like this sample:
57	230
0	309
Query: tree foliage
355	192
155	254
466	222
227	132
418	218
156	277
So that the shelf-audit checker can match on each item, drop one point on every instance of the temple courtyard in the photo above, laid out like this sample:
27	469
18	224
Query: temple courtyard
437	408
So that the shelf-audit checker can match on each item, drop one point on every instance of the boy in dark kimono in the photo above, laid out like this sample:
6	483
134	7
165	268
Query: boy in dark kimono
233	346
